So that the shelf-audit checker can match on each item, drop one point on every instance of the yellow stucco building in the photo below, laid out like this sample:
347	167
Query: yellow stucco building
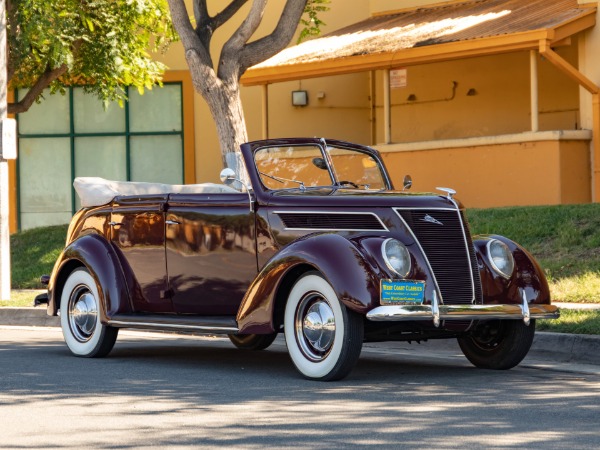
497	99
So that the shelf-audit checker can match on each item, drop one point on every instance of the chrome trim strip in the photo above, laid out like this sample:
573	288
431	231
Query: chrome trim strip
462	224
322	213
462	312
437	288
153	325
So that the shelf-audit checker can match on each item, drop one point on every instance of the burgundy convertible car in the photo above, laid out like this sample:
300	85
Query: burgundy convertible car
314	242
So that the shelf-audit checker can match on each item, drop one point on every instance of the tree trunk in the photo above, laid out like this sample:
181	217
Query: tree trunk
225	105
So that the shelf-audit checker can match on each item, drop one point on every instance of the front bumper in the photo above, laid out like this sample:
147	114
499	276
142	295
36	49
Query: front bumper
437	312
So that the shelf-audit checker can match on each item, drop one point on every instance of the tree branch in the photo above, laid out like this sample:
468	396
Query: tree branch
36	90
230	55
189	38
270	45
227	13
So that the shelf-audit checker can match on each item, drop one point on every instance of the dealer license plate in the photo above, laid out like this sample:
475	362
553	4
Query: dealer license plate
402	292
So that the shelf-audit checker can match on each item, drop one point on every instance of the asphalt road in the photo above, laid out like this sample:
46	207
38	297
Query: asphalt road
162	391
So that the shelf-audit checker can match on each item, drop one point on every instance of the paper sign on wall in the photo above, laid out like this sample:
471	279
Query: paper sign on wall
398	78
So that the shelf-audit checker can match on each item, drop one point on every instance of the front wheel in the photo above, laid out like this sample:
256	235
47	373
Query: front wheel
498	344
84	334
252	341
323	337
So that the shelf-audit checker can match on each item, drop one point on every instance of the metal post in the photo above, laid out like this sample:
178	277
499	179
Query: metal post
533	67
265	111
387	108
4	230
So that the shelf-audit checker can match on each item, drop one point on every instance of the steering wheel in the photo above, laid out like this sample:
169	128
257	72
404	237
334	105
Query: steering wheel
342	182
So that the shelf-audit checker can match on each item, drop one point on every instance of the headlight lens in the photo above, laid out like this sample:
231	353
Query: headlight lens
501	258
396	256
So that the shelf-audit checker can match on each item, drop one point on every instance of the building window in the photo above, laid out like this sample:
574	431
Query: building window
72	135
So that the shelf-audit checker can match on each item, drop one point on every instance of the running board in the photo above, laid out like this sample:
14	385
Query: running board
174	322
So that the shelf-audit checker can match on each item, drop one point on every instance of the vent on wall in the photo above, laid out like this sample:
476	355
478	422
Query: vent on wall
331	221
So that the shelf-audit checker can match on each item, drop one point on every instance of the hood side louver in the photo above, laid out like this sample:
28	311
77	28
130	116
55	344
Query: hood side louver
331	221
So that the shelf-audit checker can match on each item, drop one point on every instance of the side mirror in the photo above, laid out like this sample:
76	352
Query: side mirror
227	176
407	182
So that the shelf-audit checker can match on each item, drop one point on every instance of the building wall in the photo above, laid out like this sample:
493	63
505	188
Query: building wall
500	104
532	169
349	107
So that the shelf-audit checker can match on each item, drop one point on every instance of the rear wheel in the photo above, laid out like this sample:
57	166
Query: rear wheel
324	338
252	341
84	334
498	344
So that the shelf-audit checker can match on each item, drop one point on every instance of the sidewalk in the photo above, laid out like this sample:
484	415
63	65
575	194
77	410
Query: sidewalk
555	347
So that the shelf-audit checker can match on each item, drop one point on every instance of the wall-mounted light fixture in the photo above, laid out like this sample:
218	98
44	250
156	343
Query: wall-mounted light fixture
471	92
299	98
411	98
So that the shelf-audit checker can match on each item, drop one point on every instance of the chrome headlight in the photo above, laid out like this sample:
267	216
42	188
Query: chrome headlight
500	257
396	256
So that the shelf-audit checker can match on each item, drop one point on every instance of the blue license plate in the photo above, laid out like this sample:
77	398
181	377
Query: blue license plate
402	292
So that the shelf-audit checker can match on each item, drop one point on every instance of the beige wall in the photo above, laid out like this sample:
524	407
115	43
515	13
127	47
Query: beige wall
545	169
501	104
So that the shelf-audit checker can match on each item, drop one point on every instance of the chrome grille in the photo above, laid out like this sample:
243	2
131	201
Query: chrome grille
450	252
331	221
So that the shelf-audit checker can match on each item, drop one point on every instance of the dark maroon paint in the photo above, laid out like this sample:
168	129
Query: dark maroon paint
222	259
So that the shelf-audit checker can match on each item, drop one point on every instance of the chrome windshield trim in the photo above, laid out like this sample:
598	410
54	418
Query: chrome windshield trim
393	313
322	213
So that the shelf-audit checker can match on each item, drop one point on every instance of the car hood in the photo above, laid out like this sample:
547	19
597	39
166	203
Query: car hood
334	197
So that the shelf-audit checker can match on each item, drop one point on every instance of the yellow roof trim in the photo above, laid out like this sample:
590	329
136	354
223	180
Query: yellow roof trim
528	40
518	41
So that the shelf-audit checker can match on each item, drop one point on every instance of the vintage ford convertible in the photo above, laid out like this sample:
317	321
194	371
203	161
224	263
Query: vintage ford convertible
314	242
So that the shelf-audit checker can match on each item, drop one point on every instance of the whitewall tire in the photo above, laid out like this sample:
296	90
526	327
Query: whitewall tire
80	306
323	337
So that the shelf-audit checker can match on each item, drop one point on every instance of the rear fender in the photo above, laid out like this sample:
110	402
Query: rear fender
527	276
97	255
353	277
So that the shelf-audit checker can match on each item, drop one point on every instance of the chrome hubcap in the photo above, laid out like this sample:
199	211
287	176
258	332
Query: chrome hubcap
83	313
315	326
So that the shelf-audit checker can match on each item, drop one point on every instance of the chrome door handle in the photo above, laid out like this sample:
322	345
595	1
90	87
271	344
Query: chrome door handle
172	222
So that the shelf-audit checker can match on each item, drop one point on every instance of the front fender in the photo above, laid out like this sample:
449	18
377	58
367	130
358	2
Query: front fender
97	255
527	275
354	278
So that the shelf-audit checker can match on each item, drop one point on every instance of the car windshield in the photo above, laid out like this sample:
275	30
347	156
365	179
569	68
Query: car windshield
303	166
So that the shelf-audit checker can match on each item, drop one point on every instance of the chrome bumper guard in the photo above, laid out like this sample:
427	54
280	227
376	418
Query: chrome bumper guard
437	312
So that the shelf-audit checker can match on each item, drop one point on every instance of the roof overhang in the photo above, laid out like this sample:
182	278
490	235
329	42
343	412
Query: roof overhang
301	62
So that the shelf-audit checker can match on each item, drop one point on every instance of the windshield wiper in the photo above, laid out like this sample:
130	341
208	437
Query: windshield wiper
283	180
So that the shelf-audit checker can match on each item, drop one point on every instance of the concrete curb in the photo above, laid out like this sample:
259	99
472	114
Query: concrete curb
33	317
559	347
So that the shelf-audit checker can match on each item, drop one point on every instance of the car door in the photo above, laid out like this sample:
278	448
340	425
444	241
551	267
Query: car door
138	231
211	251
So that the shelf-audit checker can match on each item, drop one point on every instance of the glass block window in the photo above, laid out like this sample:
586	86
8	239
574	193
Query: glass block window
69	136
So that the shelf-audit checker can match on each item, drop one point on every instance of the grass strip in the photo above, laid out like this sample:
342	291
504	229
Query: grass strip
576	321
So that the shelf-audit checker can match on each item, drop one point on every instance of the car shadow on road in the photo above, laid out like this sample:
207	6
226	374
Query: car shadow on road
234	398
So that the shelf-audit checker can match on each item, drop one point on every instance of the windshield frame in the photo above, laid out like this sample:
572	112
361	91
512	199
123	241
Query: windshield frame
324	146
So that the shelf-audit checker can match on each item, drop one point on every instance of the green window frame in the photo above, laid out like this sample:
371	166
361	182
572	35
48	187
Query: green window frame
132	138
